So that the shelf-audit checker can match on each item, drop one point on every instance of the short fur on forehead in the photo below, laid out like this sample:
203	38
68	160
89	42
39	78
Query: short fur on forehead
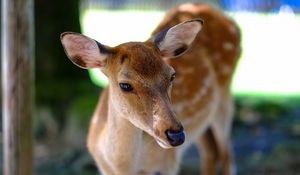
143	58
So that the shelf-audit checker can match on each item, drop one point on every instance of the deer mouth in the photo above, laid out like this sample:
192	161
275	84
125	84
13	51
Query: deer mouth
163	144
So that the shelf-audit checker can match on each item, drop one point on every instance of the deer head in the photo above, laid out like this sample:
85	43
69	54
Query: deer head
140	80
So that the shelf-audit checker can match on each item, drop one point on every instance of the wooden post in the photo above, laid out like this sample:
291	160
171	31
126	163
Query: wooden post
17	85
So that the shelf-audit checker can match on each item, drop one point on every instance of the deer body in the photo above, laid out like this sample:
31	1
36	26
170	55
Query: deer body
201	92
136	130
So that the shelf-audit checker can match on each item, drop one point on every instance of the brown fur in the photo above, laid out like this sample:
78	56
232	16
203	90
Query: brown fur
200	98
217	29
214	54
146	64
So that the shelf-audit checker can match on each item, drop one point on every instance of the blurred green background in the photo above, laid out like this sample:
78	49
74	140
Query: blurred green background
266	130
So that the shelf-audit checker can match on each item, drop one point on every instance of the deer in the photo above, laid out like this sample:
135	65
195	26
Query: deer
164	94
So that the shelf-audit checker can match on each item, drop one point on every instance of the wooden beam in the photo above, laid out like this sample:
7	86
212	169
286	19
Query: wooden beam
17	85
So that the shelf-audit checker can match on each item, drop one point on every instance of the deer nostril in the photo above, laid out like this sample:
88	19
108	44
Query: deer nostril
175	138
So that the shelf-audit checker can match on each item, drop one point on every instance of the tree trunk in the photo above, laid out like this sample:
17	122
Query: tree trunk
17	84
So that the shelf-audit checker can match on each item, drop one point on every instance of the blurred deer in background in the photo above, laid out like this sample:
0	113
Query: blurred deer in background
136	129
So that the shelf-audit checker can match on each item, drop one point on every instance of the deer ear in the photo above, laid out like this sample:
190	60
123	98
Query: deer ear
84	51
176	40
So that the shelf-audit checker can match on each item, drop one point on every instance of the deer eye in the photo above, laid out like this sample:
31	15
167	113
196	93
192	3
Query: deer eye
126	87
172	77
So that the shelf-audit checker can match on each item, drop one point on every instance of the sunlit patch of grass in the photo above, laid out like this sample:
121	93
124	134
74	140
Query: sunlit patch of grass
270	62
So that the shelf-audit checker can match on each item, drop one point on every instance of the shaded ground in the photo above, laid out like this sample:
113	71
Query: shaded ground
266	138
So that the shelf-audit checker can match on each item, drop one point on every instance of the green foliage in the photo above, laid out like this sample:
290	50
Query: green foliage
82	108
264	108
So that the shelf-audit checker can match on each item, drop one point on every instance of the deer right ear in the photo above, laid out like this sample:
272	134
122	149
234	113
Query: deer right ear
84	51
176	40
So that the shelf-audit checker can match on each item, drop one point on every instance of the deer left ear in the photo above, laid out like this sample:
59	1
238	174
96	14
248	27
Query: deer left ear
176	40
84	51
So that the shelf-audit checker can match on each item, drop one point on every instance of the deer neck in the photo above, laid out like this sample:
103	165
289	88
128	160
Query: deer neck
121	133
119	126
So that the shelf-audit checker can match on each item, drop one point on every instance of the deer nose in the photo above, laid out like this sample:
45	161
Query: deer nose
175	138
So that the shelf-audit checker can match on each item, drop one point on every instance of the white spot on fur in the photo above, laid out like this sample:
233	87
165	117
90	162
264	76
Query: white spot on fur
179	107
226	69
228	46
233	29
216	56
188	70
184	91
207	81
179	80
189	7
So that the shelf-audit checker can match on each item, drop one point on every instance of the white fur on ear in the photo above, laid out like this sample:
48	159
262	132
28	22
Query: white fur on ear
177	40
84	51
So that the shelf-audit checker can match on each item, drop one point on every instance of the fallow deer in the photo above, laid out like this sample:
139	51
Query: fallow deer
136	129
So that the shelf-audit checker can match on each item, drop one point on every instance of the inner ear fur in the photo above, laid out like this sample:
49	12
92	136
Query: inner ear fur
83	51
174	41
